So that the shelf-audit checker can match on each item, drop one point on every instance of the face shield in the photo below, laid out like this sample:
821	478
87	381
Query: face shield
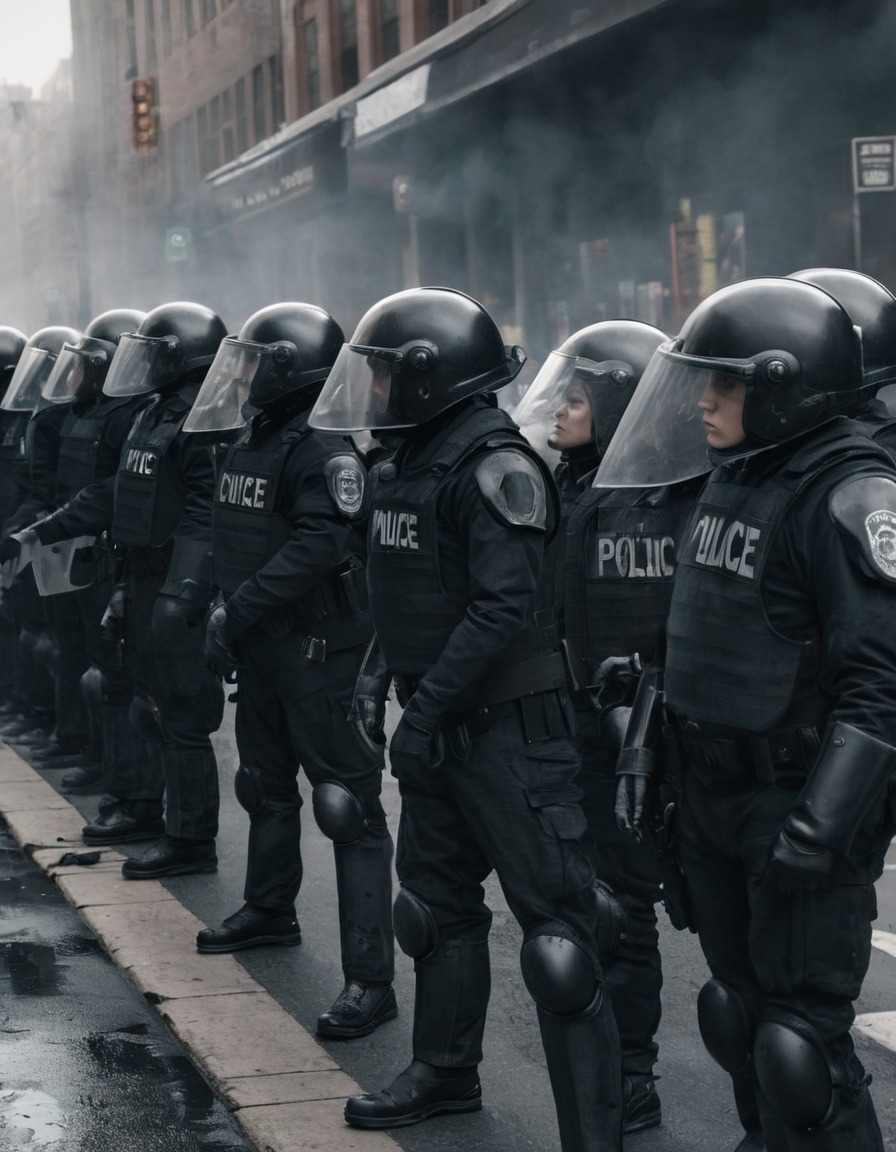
142	364
32	371
662	437
358	393
78	373
558	409
238	366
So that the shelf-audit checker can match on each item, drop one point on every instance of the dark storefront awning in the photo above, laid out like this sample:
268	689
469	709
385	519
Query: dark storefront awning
482	48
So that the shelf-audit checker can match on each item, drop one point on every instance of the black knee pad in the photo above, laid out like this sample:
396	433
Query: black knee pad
92	688
612	922
248	790
795	1070
338	812
725	1025
146	720
557	970
414	925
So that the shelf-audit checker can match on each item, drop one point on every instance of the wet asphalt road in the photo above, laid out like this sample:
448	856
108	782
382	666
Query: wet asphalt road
86	1065
518	1110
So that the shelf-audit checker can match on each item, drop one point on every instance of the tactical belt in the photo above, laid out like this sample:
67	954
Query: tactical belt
722	758
541	715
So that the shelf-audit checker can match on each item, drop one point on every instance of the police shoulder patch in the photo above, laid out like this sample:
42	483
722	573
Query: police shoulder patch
345	480
864	510
513	488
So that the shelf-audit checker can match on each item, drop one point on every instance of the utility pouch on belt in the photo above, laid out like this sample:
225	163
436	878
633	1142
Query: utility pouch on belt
676	898
353	589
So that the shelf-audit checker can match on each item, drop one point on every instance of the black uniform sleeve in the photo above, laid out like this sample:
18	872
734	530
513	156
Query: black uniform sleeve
504	572
317	544
90	511
816	577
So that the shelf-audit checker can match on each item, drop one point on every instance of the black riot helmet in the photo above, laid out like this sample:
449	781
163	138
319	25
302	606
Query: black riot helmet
872	307
414	355
605	360
34	367
792	346
82	367
281	350
12	345
173	342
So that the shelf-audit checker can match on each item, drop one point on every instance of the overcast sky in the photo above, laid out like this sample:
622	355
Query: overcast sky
34	36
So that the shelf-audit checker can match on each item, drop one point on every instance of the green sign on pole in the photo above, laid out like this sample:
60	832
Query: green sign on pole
178	244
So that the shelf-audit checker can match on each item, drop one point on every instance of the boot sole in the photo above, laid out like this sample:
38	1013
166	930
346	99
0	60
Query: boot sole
171	870
254	942
641	1125
440	1108
330	1032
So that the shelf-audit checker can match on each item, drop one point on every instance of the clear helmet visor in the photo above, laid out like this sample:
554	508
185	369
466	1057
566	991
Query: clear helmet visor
358	390
142	364
557	410
78	373
32	371
662	438
225	389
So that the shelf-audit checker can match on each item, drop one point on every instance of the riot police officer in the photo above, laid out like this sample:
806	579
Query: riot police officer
295	625
161	519
482	752
780	691
69	434
611	573
35	648
12	344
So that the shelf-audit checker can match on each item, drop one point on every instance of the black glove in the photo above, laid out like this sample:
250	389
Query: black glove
634	773
221	643
368	707
798	866
113	621
414	749
182	608
10	549
617	681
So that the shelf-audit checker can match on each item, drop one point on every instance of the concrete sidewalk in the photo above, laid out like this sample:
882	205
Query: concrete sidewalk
283	1088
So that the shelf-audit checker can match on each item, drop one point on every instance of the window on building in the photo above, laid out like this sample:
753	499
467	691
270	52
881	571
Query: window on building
133	65
228	136
259	119
275	87
389	28
150	13
189	18
202	138
439	15
312	63
242	120
348	41
209	11
182	156
166	28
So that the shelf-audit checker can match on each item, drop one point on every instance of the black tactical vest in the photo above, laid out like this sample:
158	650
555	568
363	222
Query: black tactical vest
617	578
79	448
417	571
247	530
726	664
149	493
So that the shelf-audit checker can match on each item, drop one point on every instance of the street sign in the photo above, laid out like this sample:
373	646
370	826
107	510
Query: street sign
178	244
874	163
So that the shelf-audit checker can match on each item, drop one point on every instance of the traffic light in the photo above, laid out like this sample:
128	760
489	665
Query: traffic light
145	115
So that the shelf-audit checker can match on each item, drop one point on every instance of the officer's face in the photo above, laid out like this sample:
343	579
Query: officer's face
572	420
722	406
